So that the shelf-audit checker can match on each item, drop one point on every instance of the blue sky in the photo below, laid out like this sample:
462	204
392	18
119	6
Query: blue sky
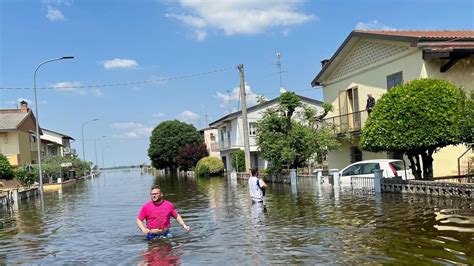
134	41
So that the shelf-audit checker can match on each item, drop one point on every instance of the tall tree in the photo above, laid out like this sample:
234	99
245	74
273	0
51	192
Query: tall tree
167	139
418	118
190	154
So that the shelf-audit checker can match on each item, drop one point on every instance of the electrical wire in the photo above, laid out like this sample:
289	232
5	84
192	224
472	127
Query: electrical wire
123	83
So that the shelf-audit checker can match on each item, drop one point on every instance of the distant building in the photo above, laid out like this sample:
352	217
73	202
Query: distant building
210	136
230	131
55	144
376	61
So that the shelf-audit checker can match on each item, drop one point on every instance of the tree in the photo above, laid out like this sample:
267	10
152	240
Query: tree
6	170
166	140
238	160
418	118
209	166
285	140
190	154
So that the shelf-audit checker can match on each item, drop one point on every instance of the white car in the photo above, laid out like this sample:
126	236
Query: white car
391	168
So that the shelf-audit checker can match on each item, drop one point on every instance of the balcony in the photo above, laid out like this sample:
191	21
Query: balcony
350	122
220	145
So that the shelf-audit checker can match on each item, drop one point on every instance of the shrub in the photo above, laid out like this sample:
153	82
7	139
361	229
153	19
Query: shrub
24	176
6	170
238	161
210	165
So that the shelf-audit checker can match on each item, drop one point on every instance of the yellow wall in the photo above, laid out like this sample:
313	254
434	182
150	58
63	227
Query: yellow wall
25	148
373	79
339	159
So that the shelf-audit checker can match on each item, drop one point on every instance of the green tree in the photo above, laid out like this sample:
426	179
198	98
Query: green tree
167	139
418	118
238	160
6	170
288	139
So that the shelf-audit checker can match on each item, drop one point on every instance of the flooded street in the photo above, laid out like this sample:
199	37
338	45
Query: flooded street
93	222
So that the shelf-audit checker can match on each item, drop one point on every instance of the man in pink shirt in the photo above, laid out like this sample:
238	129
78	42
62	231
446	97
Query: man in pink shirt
157	214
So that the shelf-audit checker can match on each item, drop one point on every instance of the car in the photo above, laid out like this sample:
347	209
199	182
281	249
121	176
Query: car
392	168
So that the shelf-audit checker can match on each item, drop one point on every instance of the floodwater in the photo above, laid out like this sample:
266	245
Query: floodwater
93	222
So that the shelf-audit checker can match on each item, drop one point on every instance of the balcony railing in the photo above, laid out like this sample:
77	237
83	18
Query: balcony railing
350	122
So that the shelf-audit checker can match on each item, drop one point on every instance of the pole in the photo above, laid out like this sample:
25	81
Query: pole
95	149
38	137
82	136
278	54
103	149
245	123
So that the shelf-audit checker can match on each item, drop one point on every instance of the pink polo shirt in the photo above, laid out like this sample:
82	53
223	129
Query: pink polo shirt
157	215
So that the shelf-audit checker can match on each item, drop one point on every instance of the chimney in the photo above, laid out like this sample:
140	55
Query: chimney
24	106
324	62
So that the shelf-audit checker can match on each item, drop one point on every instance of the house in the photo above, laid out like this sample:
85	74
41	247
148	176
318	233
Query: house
209	136
230	131
376	61
18	135
55	144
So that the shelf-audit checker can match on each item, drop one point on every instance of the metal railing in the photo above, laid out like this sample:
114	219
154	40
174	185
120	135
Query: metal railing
365	183
349	122
468	161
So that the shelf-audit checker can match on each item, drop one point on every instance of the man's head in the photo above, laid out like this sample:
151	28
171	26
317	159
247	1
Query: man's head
369	95
156	194
254	171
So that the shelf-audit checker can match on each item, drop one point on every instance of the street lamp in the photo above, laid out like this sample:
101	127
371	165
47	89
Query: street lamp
103	164
38	138
82	134
95	148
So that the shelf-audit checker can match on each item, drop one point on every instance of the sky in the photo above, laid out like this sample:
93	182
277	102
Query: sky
138	63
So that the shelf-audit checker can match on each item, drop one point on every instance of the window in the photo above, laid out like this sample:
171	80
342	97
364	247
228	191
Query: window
223	133
212	137
356	154
394	80
252	129
369	168
355	169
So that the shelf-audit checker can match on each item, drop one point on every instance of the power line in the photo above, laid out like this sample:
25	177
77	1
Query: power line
123	83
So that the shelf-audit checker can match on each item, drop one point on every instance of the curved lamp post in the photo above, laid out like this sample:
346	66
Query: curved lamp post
38	138
103	149
82	136
95	148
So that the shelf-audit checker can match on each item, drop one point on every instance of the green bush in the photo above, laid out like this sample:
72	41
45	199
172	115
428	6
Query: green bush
24	176
6	170
238	160
209	166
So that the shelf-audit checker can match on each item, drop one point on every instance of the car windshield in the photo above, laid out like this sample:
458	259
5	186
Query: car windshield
398	165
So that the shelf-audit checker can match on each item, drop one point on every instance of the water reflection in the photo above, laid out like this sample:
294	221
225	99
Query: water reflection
159	252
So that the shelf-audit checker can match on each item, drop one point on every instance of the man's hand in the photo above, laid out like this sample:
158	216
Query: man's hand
187	228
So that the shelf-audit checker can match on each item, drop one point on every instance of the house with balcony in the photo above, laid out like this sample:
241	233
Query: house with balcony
54	144
18	135
373	62
230	131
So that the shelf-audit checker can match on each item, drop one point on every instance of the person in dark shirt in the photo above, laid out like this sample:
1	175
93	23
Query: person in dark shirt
370	103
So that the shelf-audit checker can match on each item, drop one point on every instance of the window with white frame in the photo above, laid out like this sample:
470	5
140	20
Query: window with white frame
394	80
252	129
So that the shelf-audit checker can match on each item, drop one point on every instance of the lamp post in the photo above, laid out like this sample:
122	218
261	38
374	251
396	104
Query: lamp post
103	164
38	138
82	135
95	148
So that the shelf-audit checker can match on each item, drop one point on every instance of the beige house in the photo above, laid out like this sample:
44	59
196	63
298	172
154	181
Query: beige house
210	136
375	61
17	135
55	144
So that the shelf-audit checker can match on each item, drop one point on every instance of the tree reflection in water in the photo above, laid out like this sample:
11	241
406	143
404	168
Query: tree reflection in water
160	252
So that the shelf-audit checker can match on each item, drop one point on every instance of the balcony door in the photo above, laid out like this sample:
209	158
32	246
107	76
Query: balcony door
349	108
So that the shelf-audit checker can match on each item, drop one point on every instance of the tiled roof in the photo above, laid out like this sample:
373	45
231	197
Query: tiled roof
425	34
10	121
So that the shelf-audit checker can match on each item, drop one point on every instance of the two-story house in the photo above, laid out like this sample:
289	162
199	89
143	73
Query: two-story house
18	135
373	62
55	144
210	136
230	131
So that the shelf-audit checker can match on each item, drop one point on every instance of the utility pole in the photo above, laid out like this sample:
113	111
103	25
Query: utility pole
245	123
278	54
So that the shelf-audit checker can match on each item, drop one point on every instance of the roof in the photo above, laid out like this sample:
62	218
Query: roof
416	38
11	121
258	106
64	136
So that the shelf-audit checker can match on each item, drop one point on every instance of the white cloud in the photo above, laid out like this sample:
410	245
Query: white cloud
188	116
54	14
230	99
372	25
239	17
159	115
119	63
70	86
133	130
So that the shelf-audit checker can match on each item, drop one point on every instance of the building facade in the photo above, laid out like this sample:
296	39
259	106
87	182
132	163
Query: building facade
373	62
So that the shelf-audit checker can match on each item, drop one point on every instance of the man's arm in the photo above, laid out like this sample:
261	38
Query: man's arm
181	222
262	184
142	227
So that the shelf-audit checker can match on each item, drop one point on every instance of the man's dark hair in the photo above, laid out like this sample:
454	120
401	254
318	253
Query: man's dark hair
254	171
155	187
